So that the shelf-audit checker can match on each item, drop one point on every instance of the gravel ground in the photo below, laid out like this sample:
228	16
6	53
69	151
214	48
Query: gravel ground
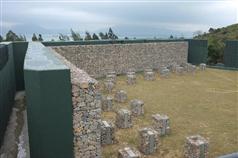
15	144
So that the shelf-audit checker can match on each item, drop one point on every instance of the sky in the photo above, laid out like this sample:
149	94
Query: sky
131	18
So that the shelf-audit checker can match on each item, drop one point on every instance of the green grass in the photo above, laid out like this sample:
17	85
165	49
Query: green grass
205	103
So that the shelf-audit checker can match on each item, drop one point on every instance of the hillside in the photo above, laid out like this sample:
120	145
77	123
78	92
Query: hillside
216	41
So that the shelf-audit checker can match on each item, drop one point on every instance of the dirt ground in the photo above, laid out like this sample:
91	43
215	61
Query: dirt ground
205	103
16	144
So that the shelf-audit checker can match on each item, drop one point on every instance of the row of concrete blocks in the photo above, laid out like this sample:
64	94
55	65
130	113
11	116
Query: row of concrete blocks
150	75
195	147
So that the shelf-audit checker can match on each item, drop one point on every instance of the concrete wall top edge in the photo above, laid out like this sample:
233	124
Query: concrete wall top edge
98	42
40	58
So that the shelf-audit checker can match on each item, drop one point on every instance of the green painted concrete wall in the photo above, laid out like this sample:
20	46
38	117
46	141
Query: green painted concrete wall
7	86
231	54
197	51
49	104
19	52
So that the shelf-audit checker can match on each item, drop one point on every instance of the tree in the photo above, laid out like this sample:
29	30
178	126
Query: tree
211	30
171	37
101	35
111	34
197	33
63	37
126	38
22	38
75	35
40	38
87	36
95	37
106	36
11	36
34	38
215	51
1	38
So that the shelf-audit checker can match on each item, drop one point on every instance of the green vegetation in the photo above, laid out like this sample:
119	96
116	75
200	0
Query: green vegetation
216	41
34	38
11	36
204	103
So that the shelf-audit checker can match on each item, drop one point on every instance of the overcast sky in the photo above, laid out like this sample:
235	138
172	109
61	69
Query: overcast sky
127	18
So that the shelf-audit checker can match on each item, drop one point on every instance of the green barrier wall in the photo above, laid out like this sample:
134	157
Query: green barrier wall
197	51
19	52
7	86
49	104
231	54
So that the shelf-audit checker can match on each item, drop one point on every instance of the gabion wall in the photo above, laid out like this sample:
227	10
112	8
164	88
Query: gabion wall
98	59
86	113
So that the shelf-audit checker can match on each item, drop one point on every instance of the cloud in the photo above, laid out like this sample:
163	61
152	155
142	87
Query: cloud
69	17
129	17
8	24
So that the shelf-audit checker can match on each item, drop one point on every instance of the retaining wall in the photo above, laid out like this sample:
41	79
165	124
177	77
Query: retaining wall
7	85
231	54
197	51
49	104
19	52
97	59
86	112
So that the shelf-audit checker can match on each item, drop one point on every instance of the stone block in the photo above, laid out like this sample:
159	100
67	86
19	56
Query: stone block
137	107
131	79
107	103
123	118
108	86
173	67
196	147
161	124
107	133
202	66
149	141
120	96
164	72
128	152
111	75
149	75
179	70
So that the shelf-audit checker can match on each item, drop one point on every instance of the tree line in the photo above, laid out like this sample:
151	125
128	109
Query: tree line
77	37
74	36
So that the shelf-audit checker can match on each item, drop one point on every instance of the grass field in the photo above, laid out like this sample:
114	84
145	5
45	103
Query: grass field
205	103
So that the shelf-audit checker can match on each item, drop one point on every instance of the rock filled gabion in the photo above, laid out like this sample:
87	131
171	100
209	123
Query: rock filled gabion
164	72
131	79
111	75
107	103
173	67
137	107
149	75
179	70
196	147
123	118
121	57
128	152
120	96
108	86
189	68
149	140
161	124
107	133
202	66
86	101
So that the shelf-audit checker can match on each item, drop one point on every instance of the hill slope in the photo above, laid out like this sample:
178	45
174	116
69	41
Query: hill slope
216	41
